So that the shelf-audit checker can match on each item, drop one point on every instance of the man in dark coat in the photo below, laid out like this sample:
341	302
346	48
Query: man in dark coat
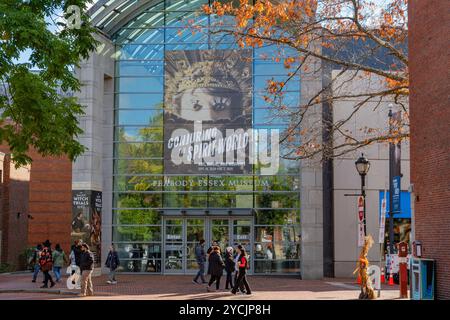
216	266
112	262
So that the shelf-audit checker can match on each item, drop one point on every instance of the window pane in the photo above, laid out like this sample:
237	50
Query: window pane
141	233
139	166
138	200
140	117
140	100
136	217
277	200
138	150
279	217
138	134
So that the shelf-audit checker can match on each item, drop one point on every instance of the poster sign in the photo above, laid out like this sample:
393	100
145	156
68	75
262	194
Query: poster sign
86	219
382	222
207	111
361	234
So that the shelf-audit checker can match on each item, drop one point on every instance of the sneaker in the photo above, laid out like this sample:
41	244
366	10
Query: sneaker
209	289
81	295
53	284
33	280
109	282
114	282
195	281
44	286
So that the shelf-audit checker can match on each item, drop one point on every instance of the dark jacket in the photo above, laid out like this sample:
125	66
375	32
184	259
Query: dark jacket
229	263
200	254
87	261
77	252
216	264
112	261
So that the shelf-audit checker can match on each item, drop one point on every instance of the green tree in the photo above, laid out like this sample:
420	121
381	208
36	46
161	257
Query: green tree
33	112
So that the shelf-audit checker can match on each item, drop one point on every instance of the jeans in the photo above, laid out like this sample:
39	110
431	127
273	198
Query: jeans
47	278
229	280
37	268
201	272
216	279
112	275
241	280
57	272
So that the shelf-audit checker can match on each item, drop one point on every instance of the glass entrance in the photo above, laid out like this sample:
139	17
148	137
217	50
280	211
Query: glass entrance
181	235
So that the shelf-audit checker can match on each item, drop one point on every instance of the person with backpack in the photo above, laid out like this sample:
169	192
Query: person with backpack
243	266
112	262
87	267
46	263
35	261
200	257
216	268
229	267
59	259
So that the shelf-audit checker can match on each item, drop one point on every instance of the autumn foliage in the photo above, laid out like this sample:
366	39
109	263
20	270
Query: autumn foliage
324	30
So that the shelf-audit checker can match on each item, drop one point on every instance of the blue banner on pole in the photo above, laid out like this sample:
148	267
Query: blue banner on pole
396	195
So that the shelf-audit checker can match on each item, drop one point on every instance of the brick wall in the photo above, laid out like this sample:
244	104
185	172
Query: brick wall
46	197
50	201
429	43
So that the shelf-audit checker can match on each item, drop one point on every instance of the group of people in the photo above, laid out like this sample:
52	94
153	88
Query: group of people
232	264
81	260
45	259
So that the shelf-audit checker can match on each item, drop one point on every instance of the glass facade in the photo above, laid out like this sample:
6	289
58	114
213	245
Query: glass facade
158	217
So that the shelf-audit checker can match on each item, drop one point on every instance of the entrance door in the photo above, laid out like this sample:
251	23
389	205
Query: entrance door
182	234
228	231
180	238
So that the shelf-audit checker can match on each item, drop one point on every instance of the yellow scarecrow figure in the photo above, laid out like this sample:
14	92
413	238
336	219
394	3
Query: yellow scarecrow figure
367	291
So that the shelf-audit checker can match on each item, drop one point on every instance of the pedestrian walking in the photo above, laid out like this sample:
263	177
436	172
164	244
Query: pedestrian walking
35	261
243	265
208	252
216	268
200	257
59	259
46	263
87	267
74	257
229	268
112	262
236	270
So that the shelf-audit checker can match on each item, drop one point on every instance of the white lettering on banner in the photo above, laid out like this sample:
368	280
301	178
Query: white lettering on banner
382	222
208	147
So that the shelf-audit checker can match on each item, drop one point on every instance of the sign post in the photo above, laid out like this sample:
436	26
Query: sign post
381	234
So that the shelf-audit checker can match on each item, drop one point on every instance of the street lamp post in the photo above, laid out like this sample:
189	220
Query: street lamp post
362	166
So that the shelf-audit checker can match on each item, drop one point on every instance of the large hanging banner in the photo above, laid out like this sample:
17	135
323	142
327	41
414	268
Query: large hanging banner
207	111
87	219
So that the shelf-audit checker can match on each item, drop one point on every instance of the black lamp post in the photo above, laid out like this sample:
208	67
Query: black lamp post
363	166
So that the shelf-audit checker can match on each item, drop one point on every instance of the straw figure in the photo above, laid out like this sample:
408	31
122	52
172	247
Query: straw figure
367	291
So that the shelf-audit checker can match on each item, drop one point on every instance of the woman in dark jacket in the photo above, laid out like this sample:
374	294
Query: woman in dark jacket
229	267
216	268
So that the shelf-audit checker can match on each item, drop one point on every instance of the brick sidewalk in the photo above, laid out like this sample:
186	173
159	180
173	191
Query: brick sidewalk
157	287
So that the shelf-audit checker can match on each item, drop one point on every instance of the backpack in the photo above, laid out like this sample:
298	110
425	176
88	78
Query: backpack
45	261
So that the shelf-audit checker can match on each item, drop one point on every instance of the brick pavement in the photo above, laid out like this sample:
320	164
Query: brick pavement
158	287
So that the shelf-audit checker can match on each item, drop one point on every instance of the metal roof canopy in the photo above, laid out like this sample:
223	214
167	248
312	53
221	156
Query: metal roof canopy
111	15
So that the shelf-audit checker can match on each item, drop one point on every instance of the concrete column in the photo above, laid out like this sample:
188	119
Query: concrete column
311	215
93	170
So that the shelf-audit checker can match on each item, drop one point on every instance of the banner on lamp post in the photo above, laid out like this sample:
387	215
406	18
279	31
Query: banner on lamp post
382	220
361	234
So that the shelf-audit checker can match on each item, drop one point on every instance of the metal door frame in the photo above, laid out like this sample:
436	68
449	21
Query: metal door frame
207	232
